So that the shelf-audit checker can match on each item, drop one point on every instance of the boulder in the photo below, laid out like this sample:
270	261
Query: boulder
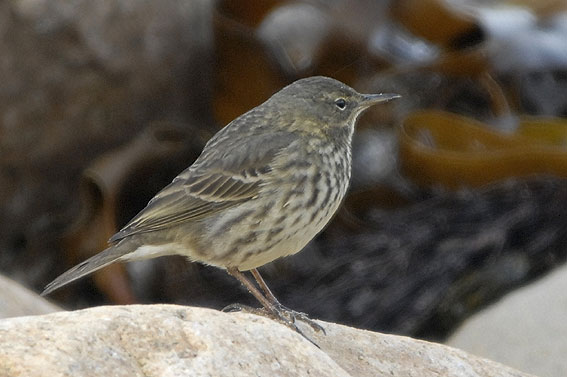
169	340
16	300
526	329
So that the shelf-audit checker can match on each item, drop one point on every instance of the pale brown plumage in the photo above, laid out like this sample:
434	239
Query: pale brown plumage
263	186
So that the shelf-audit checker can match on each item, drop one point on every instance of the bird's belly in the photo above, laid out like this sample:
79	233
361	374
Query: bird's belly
291	241
296	231
262	230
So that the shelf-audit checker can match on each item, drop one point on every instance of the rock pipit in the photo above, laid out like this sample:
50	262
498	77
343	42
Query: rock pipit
262	188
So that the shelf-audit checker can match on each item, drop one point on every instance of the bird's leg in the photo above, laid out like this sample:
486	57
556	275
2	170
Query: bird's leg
268	293
294	315
251	287
275	309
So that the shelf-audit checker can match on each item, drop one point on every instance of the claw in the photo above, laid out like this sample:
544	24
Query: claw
289	318
294	316
281	314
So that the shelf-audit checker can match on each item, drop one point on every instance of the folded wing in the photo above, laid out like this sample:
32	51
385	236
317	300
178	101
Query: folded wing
211	184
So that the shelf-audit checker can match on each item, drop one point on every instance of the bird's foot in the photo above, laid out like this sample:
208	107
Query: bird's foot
289	318
281	314
289	315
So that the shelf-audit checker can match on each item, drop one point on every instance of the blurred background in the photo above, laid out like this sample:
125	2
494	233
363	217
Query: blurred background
458	192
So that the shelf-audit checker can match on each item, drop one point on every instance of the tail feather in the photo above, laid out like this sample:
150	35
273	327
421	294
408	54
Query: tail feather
102	259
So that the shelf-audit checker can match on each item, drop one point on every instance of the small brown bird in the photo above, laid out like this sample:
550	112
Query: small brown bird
262	188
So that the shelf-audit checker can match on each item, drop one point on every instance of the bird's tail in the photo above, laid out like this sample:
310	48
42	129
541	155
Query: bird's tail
102	259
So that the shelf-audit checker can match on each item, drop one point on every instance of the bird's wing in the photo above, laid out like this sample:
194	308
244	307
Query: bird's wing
225	175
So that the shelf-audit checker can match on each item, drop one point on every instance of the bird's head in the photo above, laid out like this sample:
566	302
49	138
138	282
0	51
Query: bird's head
324	105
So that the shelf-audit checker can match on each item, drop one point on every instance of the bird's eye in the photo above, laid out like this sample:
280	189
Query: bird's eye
341	103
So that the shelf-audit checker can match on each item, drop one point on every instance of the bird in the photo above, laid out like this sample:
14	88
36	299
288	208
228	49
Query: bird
263	187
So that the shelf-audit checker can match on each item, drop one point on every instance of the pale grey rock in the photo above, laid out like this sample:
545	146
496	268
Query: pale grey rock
527	329
167	340
16	300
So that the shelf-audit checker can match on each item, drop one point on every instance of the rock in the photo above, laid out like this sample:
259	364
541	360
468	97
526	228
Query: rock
15	300
168	340
525	329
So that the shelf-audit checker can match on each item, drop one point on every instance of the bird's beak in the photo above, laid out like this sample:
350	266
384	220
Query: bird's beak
372	99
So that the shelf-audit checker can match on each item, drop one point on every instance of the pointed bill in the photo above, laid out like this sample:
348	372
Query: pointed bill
372	99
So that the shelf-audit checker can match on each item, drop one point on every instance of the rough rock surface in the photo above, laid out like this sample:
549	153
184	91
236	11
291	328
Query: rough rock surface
167	340
15	300
526	329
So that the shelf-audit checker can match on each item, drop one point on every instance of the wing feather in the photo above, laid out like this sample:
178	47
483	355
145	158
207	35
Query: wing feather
211	184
